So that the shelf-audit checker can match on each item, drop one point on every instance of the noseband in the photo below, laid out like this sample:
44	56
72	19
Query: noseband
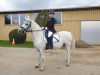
27	27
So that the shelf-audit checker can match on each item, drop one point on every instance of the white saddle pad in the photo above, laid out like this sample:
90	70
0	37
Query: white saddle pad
56	38
50	33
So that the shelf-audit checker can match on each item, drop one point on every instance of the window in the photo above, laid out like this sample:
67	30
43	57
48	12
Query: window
8	19
57	17
13	19
22	18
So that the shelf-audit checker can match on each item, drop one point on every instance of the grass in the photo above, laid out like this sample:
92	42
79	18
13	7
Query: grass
6	43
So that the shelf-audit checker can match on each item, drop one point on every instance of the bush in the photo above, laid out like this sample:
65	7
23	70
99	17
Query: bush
19	38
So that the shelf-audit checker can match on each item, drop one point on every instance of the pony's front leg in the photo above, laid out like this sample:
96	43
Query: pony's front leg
42	60
39	56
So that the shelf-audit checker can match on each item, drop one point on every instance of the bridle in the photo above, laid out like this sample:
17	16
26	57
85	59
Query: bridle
26	29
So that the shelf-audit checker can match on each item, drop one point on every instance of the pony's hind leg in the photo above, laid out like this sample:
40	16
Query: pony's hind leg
68	55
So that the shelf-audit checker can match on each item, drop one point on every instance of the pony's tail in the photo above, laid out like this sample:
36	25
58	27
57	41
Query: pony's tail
73	44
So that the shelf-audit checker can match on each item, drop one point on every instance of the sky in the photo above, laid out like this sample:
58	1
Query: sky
6	5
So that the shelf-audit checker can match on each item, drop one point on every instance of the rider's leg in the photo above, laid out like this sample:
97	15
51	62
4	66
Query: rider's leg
46	35
50	42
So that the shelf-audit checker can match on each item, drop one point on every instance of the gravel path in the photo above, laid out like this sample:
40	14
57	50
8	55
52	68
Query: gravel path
21	61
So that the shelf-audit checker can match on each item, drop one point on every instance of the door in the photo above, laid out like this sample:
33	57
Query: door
90	32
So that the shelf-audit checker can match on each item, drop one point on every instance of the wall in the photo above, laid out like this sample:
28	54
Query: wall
71	20
5	29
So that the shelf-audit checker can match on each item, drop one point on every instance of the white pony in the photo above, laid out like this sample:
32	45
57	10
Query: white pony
66	39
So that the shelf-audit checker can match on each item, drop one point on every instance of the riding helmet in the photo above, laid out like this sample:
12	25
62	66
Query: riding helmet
51	12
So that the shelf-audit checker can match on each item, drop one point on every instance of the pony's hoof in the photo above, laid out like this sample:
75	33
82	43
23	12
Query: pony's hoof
37	66
67	64
42	69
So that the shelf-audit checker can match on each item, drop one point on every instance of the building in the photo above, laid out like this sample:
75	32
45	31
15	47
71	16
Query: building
83	22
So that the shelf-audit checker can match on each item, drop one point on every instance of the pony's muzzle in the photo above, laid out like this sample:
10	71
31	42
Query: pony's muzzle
20	30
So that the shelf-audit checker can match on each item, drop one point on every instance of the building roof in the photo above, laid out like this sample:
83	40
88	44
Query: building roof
56	10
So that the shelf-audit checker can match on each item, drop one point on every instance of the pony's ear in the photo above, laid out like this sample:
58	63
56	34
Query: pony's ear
27	18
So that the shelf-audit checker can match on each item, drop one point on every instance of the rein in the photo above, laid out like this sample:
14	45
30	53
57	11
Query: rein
31	30
35	30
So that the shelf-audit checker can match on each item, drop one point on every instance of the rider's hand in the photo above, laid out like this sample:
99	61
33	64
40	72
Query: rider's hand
45	28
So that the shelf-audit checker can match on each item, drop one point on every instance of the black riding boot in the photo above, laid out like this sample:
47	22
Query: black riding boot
50	44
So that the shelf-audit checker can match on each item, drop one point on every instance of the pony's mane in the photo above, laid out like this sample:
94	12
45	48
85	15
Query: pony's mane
36	25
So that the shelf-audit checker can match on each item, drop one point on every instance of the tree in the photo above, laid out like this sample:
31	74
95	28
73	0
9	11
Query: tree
42	17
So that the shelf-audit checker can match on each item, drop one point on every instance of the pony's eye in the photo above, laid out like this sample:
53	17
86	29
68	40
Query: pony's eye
26	24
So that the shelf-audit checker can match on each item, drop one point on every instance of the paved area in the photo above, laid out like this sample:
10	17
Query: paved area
21	61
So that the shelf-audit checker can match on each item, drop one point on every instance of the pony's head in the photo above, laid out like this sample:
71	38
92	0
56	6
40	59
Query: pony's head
26	26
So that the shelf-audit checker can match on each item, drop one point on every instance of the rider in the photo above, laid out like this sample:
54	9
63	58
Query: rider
50	27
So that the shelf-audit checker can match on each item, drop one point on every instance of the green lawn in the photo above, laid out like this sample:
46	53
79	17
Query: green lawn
27	44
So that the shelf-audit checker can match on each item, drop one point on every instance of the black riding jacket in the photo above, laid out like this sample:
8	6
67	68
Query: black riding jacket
50	24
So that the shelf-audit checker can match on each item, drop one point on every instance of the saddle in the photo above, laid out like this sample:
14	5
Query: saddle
56	37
